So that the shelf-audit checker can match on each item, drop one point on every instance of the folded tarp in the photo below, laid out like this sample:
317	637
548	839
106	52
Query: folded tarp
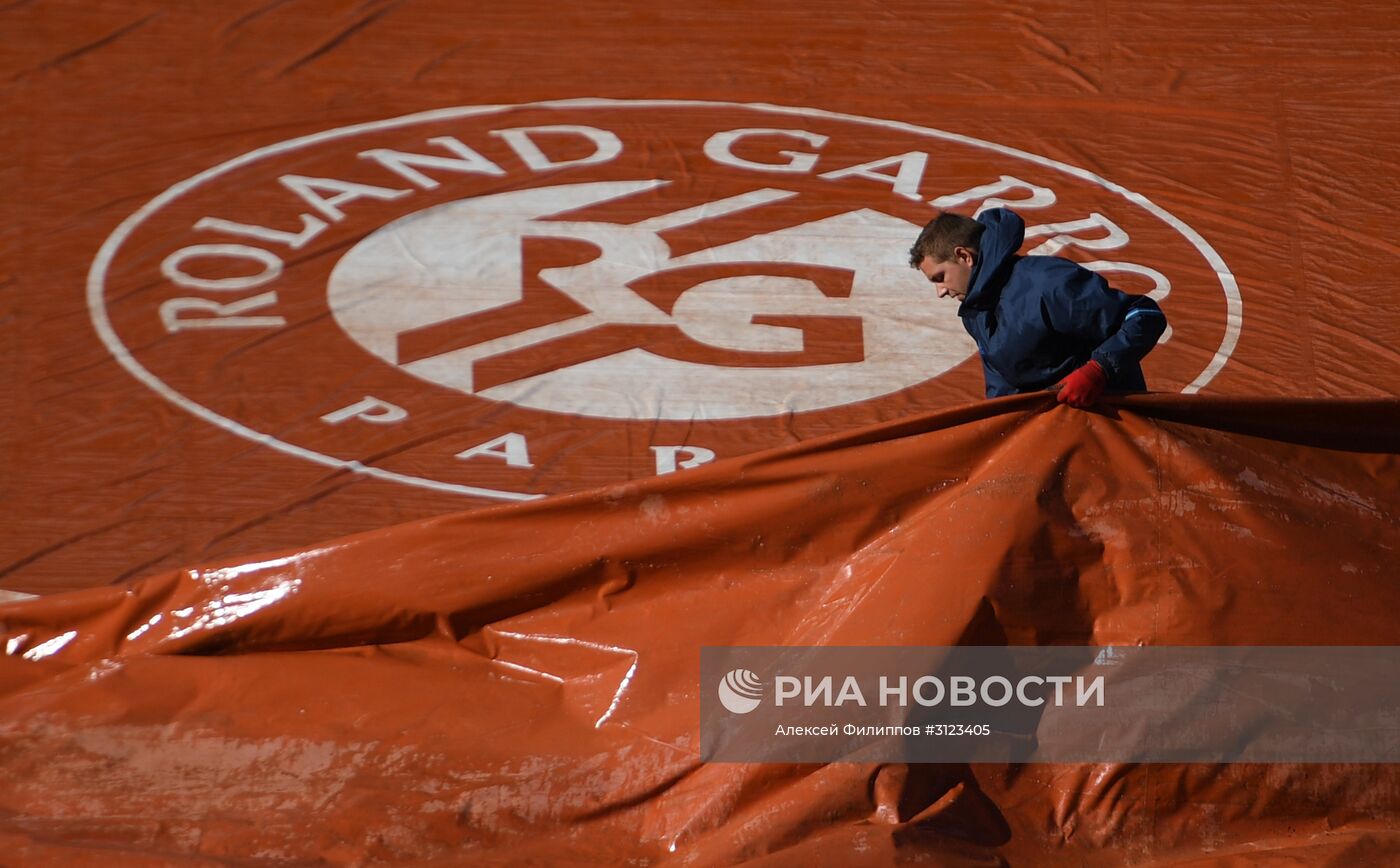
520	684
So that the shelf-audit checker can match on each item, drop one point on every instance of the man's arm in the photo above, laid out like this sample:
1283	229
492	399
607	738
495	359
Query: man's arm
1124	327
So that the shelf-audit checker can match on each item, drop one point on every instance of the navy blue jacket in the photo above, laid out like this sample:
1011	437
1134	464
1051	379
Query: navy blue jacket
1037	318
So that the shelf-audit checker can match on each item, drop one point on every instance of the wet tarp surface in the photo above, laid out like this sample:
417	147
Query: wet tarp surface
586	334
452	691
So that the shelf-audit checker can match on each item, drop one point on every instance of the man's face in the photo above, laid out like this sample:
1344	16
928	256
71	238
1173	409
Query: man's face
951	277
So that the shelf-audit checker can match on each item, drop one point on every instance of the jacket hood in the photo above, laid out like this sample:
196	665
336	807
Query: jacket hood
996	252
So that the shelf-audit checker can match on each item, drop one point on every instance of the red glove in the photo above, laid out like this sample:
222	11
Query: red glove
1084	385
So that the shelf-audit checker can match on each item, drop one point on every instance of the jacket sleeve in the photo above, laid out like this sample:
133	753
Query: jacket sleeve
1123	327
997	385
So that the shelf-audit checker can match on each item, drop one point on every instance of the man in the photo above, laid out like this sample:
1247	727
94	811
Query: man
1037	320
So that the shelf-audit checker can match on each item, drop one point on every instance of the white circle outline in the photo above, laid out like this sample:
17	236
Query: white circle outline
98	273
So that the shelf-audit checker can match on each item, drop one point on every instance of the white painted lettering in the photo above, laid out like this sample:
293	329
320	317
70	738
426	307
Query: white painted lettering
310	228
218	316
1040	197
510	448
905	182
402	163
367	409
720	148
666	458
606	145
1161	286
173	266
344	192
1063	235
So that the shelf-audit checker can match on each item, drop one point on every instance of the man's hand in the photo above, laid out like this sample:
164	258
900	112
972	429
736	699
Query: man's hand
1083	386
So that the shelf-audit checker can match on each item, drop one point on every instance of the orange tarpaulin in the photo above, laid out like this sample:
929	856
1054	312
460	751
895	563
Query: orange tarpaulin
520	684
279	273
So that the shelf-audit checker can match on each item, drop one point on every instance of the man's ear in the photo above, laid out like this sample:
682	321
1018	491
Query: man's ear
965	255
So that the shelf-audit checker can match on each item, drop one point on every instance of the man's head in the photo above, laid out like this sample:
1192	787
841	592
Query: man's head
946	251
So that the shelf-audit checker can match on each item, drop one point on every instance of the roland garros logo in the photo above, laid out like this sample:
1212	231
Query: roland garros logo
512	301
